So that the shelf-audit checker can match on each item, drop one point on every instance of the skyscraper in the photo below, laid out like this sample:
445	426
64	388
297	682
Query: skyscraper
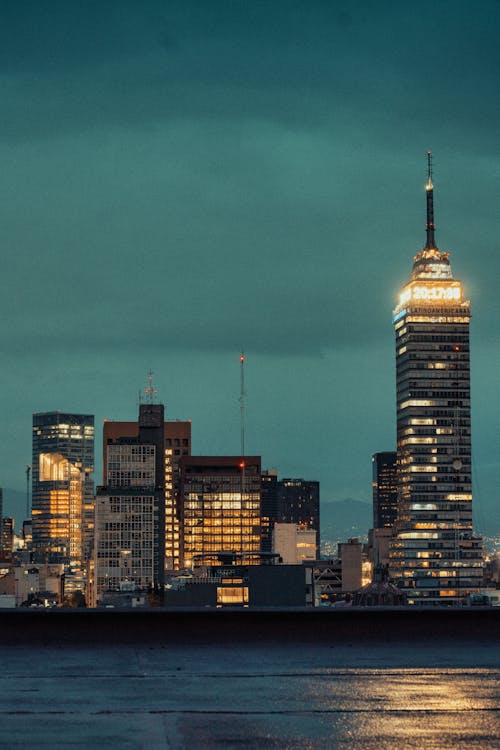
269	507
173	440
434	553
385	490
127	550
63	490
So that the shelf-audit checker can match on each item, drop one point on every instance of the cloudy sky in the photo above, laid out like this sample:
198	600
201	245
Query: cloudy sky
180	180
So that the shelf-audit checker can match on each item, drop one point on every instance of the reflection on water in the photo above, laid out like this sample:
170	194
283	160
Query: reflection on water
253	697
404	709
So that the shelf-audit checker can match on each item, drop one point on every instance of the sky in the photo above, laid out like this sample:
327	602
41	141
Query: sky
183	180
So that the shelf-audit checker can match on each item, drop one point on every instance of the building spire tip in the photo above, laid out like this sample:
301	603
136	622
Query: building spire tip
431	242
429	185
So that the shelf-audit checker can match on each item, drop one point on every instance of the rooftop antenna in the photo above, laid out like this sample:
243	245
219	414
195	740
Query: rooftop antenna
28	472
242	403
150	391
431	242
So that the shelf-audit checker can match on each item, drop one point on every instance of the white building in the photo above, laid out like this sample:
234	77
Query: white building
294	543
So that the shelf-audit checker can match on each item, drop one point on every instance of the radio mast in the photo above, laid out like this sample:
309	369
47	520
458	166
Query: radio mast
242	403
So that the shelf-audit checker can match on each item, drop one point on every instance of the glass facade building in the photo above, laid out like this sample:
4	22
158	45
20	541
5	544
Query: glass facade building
62	488
220	510
434	554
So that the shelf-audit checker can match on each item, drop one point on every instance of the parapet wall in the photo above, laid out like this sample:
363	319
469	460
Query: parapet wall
402	625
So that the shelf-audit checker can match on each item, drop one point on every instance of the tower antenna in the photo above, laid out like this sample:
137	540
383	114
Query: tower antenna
242	403
150	391
431	242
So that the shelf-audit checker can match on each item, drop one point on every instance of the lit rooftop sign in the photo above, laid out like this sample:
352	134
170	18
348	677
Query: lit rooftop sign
431	293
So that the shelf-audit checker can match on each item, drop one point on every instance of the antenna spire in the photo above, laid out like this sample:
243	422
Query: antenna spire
150	391
431	242
242	402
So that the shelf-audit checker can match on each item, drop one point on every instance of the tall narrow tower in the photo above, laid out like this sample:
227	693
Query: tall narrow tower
434	553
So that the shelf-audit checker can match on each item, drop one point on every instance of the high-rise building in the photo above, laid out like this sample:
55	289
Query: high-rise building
6	535
220	510
385	489
298	502
269	508
173	441
126	549
63	489
434	555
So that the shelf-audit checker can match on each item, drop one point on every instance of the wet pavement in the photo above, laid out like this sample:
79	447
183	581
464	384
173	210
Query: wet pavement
260	695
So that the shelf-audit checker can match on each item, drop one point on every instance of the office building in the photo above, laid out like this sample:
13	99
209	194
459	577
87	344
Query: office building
6	535
220	500
245	585
126	552
434	555
298	502
172	442
385	489
269	508
294	543
62	489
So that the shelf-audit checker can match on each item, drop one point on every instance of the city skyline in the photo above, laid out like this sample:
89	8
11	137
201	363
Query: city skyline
157	215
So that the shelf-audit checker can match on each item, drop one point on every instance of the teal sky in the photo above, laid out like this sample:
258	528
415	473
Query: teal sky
183	179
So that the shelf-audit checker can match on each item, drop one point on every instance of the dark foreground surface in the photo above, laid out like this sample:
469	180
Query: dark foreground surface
423	689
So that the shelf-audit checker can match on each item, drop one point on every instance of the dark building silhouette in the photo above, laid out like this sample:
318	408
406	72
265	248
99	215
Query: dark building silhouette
298	502
6	535
269	508
385	489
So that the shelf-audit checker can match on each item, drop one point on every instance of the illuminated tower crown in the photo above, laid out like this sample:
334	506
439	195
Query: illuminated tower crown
431	279
431	263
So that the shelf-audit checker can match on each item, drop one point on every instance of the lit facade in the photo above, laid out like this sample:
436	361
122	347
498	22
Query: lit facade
220	499
63	489
174	443
294	544
434	554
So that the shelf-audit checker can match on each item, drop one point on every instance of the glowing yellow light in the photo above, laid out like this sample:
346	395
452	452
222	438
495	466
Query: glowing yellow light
432	293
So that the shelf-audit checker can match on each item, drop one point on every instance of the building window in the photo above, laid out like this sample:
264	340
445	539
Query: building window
232	595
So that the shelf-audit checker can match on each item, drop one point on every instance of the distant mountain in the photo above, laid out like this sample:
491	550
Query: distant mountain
339	519
344	519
